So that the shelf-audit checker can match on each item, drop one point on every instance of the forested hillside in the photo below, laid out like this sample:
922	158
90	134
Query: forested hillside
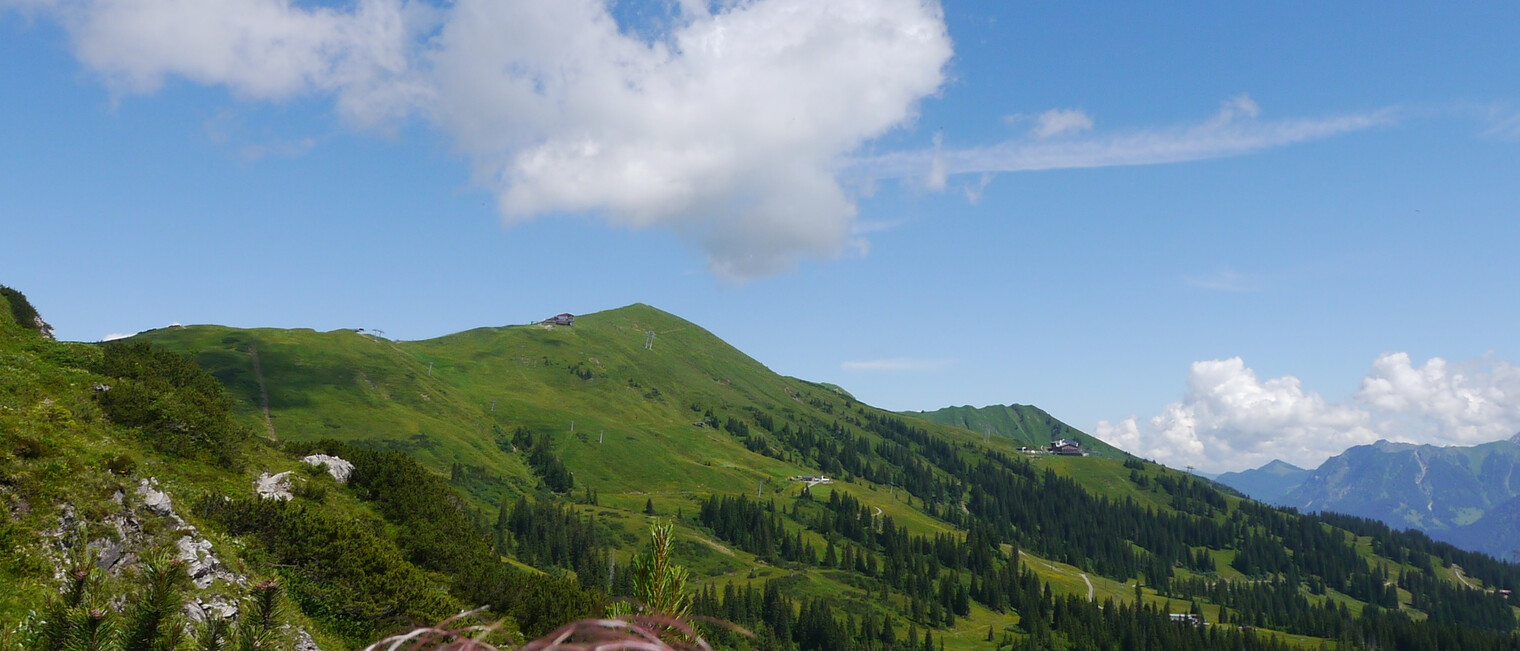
467	471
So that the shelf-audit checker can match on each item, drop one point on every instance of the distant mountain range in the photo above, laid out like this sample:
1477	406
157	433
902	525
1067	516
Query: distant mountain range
1469	496
1270	483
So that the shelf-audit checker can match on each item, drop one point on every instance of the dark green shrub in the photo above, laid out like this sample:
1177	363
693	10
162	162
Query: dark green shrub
177	406
121	464
31	447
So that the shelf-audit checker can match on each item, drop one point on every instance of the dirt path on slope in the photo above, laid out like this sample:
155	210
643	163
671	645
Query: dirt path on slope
258	372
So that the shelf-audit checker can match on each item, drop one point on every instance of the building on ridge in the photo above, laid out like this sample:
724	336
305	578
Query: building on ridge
564	319
1067	447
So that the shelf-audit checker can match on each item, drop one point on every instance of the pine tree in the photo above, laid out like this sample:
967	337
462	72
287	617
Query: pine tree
153	615
659	585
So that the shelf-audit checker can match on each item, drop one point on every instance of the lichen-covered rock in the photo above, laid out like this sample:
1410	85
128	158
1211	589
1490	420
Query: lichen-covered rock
107	552
199	610
201	562
156	501
273	487
340	469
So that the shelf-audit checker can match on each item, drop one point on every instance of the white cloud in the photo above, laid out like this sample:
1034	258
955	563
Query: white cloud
729	122
897	364
973	191
726	125
1229	419
1234	130
1057	122
1452	403
258	49
116	335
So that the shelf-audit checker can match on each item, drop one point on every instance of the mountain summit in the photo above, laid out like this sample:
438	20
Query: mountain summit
1270	483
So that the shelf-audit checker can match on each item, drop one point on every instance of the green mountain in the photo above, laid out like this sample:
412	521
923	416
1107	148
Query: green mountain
470	486
696	413
1270	483
1025	424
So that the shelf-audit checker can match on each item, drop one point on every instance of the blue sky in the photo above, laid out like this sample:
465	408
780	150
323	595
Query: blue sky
1213	235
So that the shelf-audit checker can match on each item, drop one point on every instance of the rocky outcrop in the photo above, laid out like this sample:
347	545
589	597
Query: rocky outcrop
154	500
122	545
340	469
274	487
194	550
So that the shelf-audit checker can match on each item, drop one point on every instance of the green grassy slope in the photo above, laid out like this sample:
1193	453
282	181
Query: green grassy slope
69	479
624	401
1026	424
455	401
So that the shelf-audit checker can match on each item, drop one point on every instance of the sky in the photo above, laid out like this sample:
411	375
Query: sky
1213	234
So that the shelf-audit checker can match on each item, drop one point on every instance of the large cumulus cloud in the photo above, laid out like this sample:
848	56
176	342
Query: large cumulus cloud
727	130
725	124
1230	419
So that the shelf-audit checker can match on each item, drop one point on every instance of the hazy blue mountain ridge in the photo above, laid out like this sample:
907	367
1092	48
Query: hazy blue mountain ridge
1421	486
1270	483
1469	496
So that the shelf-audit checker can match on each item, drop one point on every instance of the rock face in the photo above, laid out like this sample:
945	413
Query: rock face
192	549
340	469
273	487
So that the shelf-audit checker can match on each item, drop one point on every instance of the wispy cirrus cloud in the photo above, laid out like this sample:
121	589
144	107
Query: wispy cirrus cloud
281	148
897	365
1225	279
1057	122
1236	129
1504	127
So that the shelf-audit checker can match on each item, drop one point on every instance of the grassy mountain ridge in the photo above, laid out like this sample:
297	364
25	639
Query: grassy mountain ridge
926	528
595	376
1025	424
